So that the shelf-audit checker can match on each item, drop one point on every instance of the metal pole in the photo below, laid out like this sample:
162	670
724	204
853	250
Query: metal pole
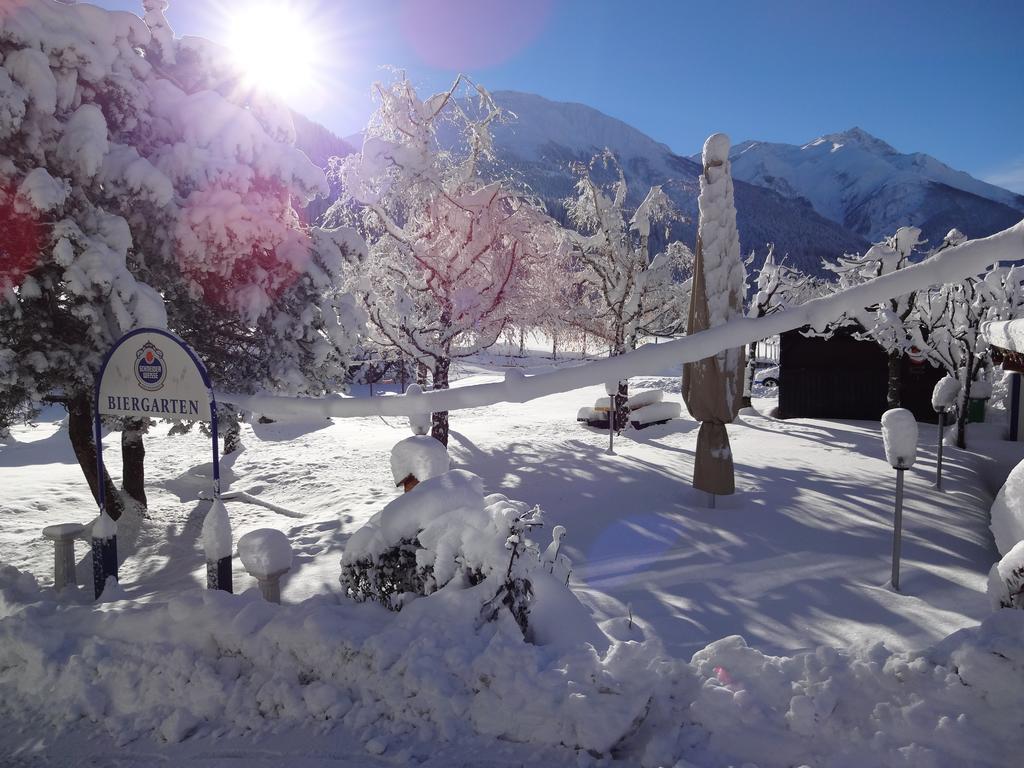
611	425
938	451
897	533
711	500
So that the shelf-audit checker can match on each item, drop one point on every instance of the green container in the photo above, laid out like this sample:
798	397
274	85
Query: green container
976	410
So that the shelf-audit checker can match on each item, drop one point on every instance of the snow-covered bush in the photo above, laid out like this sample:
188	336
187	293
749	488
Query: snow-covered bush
1006	580
1007	513
446	533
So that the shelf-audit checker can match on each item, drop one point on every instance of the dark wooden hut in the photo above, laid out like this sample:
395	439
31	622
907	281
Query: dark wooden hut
843	378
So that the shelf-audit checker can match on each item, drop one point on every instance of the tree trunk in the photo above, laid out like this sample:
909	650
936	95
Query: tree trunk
80	432
892	395
231	430
439	419
133	461
554	345
584	345
965	400
522	342
621	411
421	374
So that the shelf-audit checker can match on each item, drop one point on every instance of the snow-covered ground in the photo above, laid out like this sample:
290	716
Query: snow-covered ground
798	559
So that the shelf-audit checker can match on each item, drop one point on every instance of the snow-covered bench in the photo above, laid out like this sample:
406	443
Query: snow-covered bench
646	408
655	413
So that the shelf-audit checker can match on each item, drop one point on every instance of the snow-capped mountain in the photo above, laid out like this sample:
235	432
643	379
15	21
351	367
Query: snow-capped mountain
834	195
545	137
862	182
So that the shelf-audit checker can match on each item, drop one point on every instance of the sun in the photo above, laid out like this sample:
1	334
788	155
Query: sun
275	49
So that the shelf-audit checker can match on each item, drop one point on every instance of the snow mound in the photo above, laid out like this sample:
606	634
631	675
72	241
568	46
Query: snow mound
650	414
645	397
945	393
899	434
1007	513
207	664
421	456
265	551
1006	580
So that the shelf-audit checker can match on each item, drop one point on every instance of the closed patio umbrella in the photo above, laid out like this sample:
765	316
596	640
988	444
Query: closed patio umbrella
713	387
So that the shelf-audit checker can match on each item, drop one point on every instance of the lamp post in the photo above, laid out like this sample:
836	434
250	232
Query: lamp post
899	436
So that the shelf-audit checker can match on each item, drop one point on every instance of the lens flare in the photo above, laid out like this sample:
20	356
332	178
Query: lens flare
275	49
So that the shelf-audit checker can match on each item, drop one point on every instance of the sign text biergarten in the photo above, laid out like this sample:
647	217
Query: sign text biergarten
152	373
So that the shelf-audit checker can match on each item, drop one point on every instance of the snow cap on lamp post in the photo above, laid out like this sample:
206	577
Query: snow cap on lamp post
945	393
899	435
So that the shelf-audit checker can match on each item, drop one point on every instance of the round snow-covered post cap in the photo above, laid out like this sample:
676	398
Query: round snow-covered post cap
945	393
899	435
266	555
716	148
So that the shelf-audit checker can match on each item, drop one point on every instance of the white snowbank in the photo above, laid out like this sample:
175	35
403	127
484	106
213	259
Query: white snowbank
1007	513
217	532
209	664
421	456
899	435
945	393
265	551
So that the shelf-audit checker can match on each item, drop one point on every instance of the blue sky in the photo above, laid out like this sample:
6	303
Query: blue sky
938	77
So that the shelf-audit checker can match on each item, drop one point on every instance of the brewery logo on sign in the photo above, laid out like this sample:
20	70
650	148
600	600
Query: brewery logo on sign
149	367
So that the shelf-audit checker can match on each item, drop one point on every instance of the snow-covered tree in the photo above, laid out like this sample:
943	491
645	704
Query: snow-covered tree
948	325
144	189
628	293
778	285
889	324
448	246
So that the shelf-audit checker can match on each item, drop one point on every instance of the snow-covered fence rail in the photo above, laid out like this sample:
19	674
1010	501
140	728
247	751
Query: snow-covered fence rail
969	258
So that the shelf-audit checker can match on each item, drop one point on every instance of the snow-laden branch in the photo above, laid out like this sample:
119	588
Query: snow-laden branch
969	258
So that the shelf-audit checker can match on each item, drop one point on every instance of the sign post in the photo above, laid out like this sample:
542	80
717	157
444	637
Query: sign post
150	373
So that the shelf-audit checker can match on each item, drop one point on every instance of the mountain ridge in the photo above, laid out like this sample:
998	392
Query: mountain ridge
832	195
